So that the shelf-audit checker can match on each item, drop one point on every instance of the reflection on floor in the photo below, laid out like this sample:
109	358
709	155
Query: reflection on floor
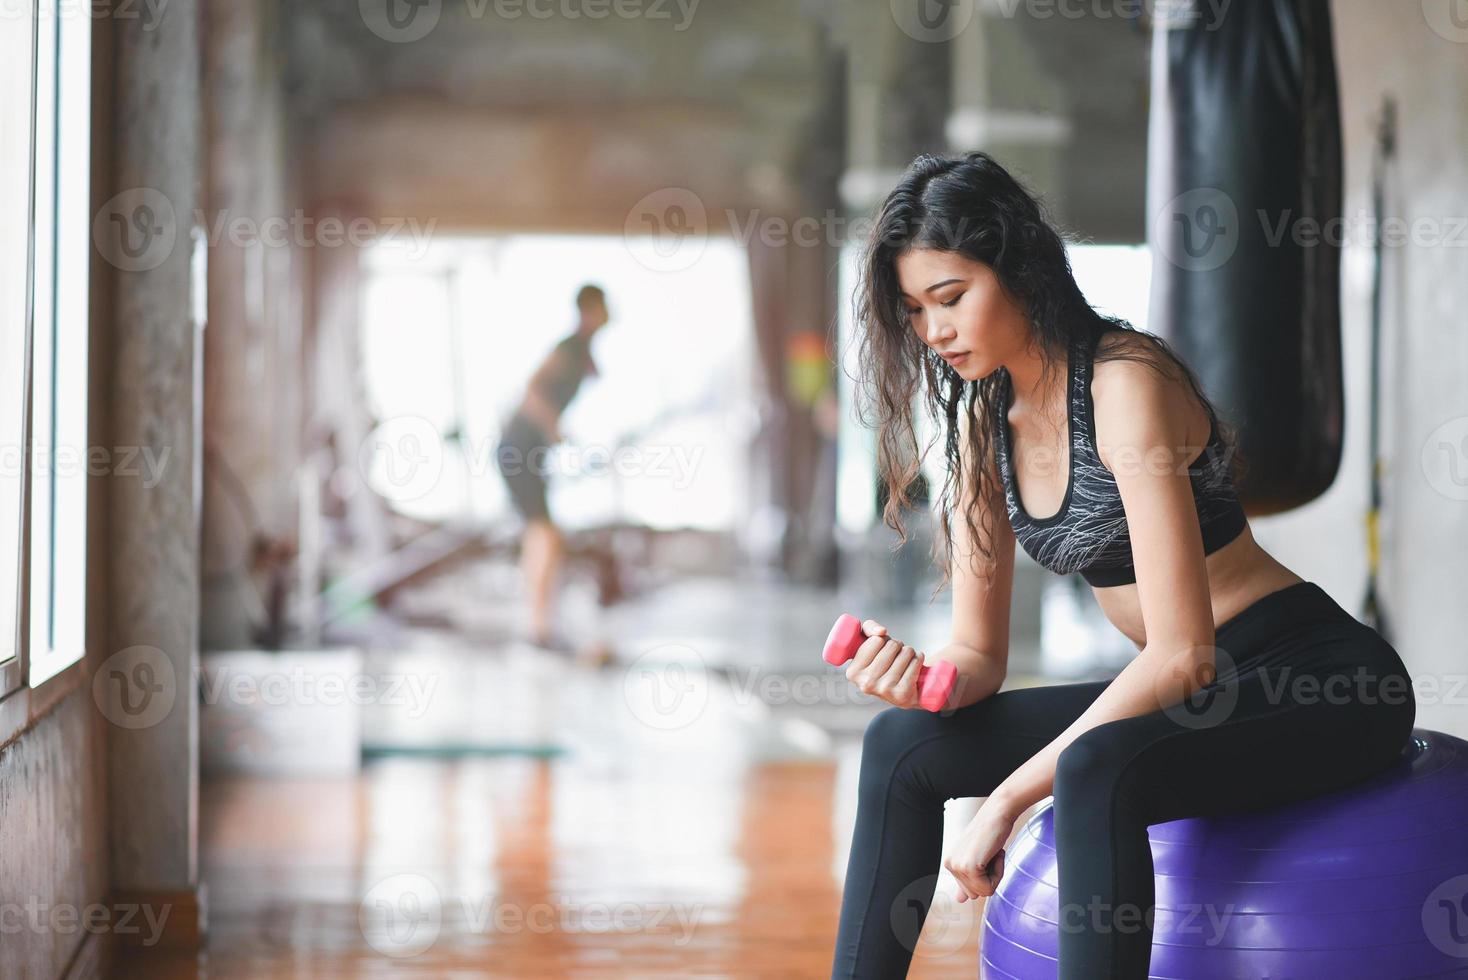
515	867
685	811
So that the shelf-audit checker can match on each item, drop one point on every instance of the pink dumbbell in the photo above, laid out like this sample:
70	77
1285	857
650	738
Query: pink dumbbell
935	681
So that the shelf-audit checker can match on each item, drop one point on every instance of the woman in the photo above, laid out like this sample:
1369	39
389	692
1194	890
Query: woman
1252	688
524	459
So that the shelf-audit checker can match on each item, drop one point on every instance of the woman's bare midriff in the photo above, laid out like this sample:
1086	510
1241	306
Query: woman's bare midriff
1239	573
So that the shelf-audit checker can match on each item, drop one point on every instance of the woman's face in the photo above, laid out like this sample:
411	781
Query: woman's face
957	307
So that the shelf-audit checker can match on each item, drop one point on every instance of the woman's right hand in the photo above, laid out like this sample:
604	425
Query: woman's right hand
885	667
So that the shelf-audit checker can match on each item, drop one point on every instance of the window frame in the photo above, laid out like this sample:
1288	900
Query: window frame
13	668
56	555
52	273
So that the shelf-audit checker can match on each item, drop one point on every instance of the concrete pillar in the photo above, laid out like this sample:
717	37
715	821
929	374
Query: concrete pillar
1008	103
897	100
253	365
145	687
339	421
898	91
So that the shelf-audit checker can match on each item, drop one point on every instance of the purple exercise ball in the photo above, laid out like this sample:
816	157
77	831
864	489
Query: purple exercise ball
1370	882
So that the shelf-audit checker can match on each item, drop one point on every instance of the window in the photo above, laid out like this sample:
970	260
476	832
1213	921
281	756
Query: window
453	328
61	252
45	175
17	72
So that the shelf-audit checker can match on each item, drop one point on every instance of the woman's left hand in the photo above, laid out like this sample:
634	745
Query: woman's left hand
981	843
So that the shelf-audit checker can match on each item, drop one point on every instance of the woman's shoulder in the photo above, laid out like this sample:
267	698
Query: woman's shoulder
1136	388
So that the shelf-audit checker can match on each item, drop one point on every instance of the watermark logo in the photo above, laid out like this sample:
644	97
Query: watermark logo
136	230
1198	230
1216	689
403	458
401	916
135	687
410	691
1445	916
932	21
938	924
143	924
1445	458
667	231
1448	19
667	687
400	21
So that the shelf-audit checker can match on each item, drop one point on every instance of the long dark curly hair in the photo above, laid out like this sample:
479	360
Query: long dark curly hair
971	205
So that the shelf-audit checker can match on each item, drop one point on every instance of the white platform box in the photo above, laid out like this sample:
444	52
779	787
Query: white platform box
282	712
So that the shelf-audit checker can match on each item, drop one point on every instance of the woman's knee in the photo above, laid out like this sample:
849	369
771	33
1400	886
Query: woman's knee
1090	769
890	746
892	732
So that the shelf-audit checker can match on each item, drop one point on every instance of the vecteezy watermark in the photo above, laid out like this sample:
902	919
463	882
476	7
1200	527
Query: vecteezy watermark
403	915
932	21
1198	230
298	686
1445	458
930	923
567	917
1201	229
138	230
1360	686
66	462
135	687
1361	228
1448	19
1445	917
1125	460
667	687
149	12
302	230
406	21
142	922
667	230
404	457
1192	918
805	231
676	463
1212	678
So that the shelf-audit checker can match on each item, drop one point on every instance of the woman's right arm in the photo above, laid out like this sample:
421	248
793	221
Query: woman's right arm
980	643
979	648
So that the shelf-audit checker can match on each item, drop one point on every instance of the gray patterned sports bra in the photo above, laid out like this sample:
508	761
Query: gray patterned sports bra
1088	534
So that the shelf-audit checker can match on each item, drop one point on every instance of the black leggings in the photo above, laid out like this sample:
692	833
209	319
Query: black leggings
1271	729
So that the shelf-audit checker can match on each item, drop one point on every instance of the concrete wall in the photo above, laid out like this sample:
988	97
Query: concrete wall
256	317
89	807
53	771
1411	50
52	835
154	402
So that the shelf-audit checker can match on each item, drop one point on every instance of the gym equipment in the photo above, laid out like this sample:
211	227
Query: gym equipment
1373	613
935	680
1244	219
1367	883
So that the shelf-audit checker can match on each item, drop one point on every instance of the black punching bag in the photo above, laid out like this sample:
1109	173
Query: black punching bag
1243	202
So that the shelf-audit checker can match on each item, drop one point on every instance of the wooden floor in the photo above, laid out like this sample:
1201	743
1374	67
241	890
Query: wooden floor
652	820
521	867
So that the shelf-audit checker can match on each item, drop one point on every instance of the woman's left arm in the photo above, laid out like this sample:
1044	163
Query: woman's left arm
1143	419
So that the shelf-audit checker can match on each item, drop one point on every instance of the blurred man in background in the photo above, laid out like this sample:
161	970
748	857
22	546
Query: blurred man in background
524	455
